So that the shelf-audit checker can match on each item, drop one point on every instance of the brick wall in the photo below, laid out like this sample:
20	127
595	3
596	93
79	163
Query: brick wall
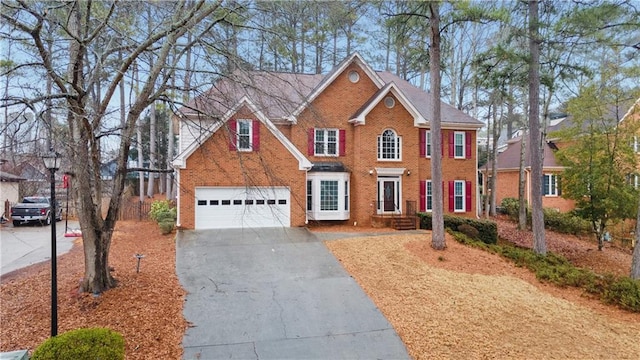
214	165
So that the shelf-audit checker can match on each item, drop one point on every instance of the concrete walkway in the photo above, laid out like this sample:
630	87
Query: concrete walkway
30	244
275	294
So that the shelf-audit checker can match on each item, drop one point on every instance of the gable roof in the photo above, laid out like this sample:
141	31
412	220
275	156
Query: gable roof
360	115
7	177
181	160
632	110
283	96
451	117
510	158
275	94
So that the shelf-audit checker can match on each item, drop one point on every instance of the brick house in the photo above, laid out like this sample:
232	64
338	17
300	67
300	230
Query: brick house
508	169
265	149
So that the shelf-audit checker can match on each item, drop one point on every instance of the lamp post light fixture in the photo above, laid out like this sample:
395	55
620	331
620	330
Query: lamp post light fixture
52	162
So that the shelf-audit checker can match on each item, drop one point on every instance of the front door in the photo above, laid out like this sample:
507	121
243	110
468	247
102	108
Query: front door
389	195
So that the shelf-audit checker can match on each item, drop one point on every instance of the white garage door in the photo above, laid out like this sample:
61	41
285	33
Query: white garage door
242	207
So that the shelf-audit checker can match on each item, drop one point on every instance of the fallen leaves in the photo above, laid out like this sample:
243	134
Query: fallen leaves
145	307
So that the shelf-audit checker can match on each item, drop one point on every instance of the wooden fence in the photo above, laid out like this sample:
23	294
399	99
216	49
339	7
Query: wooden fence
134	211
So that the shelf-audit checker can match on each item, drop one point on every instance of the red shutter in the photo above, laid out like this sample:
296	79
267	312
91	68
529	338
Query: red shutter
423	143
467	195
452	144
342	138
256	135
232	134
423	196
310	140
467	144
451	196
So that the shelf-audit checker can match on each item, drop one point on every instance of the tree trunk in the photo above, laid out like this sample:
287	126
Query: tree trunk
494	157
522	203
539	243
635	261
152	151
437	233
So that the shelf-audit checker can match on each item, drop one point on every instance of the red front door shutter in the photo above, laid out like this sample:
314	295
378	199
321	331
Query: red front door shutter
423	195
467	195
467	145
256	135
232	134
451	196
343	142
310	140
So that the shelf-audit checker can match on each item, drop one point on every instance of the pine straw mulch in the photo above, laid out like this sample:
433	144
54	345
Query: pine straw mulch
145	307
457	303
466	303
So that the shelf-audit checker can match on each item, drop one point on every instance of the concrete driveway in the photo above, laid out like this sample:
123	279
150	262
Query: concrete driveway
275	294
31	243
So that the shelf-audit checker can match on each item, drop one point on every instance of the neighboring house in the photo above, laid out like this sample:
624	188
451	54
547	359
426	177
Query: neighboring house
272	149
508	163
9	187
508	166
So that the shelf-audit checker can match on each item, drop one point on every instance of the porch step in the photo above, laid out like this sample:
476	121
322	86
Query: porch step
404	223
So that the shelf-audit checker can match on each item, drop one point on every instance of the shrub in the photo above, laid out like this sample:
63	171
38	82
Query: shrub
621	291
469	230
165	215
166	227
487	230
511	207
95	343
625	292
567	223
159	209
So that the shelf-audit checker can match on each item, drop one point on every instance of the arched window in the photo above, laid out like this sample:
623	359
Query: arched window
389	145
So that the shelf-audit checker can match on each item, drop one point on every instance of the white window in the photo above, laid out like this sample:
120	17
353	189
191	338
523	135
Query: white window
389	145
326	142
346	196
309	195
458	196
636	144
459	150
243	135
328	195
550	185
428	196
428	143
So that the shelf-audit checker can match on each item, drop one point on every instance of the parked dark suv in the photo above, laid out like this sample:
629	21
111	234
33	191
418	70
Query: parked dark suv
35	208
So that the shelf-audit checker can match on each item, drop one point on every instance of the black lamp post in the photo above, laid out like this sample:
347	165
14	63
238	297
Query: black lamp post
52	162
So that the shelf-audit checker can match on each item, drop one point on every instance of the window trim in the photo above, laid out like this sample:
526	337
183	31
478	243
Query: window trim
547	184
343	196
325	142
461	146
397	144
326	186
249	135
461	196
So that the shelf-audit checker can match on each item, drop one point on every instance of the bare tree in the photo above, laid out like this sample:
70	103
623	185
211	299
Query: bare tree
99	29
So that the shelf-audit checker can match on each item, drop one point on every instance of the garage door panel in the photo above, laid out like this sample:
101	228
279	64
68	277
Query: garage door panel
229	207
